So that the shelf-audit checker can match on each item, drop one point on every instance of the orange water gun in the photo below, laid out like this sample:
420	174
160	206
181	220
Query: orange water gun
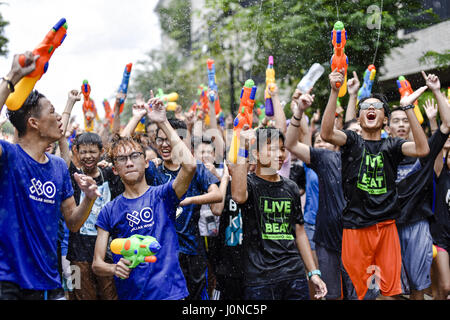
109	114
339	60
404	87
89	109
45	50
244	116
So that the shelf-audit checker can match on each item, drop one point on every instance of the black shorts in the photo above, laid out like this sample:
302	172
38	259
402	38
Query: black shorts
194	269
228	288
334	275
12	291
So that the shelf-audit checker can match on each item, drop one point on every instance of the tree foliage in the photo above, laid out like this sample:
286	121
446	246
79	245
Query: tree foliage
241	35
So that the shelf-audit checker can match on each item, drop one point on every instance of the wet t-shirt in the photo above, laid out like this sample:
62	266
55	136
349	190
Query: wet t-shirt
327	165
269	217
369	171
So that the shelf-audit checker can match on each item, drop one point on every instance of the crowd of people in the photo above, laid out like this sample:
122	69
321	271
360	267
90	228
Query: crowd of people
352	205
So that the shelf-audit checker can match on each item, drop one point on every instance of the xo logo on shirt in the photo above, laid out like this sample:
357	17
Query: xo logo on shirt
38	189
145	215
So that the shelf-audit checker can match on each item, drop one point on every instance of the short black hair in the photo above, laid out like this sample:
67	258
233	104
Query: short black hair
396	108
30	108
176	125
314	136
380	97
87	138
347	124
266	134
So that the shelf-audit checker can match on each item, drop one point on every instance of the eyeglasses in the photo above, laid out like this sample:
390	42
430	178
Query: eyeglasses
133	157
159	141
366	105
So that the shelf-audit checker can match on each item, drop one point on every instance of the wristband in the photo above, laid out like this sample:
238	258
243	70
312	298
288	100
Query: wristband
295	125
10	84
311	273
411	106
243	153
293	116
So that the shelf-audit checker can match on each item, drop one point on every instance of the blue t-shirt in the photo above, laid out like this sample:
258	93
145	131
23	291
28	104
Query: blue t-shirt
187	217
31	194
312	196
152	214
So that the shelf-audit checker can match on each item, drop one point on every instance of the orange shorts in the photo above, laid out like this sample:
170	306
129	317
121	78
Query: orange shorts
372	255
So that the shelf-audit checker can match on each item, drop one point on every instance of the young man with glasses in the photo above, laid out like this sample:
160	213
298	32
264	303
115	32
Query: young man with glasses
147	211
202	190
370	242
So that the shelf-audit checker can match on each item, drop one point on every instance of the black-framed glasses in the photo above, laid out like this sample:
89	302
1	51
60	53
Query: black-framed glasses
365	105
134	156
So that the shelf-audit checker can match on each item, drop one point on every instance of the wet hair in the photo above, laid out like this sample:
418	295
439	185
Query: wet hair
380	97
87	138
396	108
176	124
314	136
265	135
30	108
118	142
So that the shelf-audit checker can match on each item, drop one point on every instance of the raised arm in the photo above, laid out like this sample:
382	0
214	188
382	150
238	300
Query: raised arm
299	104
139	111
116	120
279	116
352	87
238	171
180	152
16	73
74	215
328	131
419	147
217	208
433	83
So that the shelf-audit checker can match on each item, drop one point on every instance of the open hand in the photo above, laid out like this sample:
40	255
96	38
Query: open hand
88	185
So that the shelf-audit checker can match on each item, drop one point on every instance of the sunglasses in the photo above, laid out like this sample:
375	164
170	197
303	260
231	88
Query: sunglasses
366	105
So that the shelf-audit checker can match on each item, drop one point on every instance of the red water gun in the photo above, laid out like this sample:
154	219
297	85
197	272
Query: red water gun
244	116
404	87
45	50
339	59
109	114
89	109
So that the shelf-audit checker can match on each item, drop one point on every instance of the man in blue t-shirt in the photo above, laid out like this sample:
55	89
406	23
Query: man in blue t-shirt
35	192
202	190
147	211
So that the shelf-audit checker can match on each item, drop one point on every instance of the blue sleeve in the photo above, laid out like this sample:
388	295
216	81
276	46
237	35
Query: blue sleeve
169	197
205	178
150	173
104	218
67	191
6	146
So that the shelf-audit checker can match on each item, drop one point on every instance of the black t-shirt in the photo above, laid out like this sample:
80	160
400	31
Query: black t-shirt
440	222
269	216
369	171
230	238
327	165
297	174
82	243
415	190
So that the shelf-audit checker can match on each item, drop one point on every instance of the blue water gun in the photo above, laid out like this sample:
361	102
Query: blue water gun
369	77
